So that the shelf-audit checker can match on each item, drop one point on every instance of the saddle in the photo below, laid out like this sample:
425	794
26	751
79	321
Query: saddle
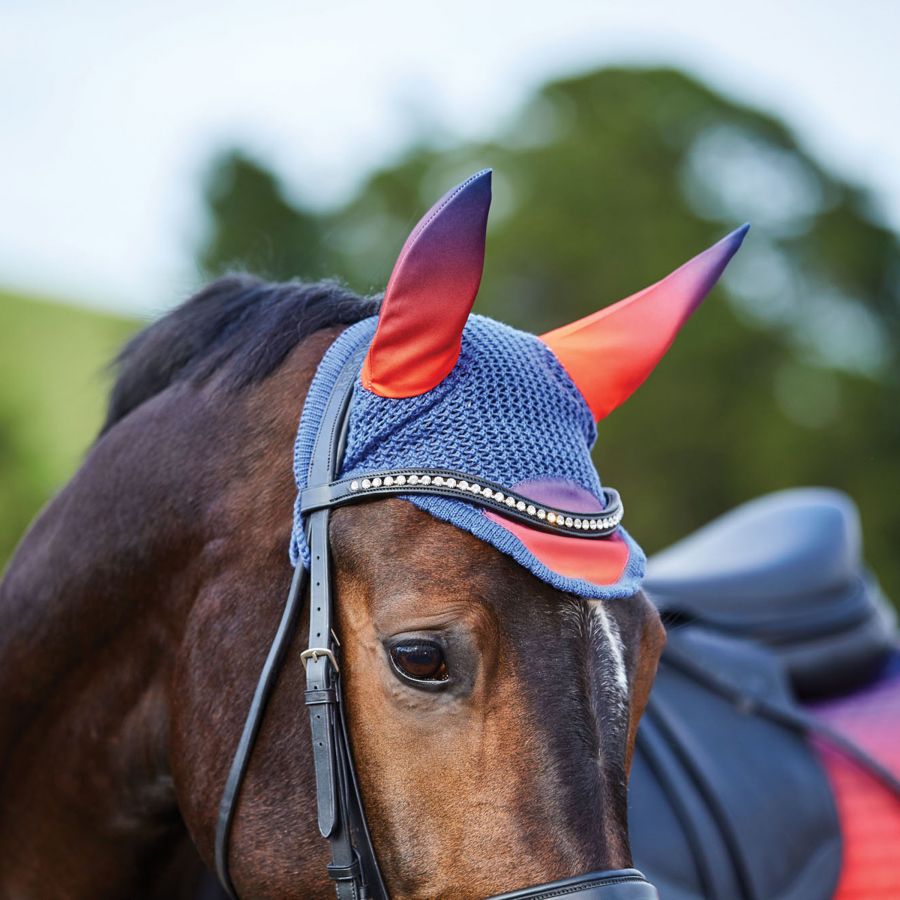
769	603
785	570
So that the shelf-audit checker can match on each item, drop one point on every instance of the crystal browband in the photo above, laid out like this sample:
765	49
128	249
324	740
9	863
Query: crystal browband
459	486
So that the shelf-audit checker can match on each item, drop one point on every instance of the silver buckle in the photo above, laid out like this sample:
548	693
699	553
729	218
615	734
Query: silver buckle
314	653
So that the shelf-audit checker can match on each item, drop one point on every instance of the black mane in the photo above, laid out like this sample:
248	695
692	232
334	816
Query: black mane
241	320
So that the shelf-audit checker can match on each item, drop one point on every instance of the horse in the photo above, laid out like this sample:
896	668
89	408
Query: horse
490	664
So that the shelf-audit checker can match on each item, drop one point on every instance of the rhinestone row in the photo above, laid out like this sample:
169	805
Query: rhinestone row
554	517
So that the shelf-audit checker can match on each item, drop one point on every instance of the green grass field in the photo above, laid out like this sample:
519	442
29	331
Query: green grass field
53	384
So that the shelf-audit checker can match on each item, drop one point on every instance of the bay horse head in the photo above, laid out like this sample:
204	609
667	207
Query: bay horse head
494	648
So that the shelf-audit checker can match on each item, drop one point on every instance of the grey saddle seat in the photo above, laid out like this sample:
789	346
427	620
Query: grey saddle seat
785	570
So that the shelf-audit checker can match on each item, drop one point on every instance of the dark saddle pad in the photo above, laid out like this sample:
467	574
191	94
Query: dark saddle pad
724	803
785	570
771	601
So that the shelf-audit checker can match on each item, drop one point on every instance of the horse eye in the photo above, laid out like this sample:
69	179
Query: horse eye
419	661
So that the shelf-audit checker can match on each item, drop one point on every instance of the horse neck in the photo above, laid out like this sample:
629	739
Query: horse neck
87	611
171	539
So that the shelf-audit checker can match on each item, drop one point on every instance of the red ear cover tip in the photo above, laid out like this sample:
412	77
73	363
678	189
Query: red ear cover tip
430	295
610	353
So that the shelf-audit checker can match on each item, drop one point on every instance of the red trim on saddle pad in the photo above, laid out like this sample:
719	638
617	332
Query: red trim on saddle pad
869	814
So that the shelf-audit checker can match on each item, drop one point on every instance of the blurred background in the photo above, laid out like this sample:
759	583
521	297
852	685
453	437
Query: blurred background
149	147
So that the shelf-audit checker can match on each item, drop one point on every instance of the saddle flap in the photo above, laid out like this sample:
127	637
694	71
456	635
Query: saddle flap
707	809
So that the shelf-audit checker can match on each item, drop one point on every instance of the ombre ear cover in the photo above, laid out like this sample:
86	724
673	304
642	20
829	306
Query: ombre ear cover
610	353
505	411
430	294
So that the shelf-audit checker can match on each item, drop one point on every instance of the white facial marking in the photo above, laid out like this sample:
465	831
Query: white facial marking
614	641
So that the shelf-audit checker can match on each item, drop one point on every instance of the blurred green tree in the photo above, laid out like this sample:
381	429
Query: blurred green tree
255	227
604	183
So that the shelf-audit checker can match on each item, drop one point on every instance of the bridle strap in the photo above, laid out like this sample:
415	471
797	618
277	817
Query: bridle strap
618	884
339	809
353	867
254	719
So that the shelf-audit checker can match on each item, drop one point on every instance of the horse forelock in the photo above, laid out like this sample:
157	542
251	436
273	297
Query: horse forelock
238	323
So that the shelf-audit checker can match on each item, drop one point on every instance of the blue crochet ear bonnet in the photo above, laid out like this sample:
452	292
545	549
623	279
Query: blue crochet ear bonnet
441	388
507	412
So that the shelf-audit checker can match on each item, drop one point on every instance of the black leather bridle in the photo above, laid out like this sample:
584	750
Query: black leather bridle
354	867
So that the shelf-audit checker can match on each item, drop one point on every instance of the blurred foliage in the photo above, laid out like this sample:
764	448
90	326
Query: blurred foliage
604	183
256	228
52	372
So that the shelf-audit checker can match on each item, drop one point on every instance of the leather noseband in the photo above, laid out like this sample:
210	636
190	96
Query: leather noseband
619	884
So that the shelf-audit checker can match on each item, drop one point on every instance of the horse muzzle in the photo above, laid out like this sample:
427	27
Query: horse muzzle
619	884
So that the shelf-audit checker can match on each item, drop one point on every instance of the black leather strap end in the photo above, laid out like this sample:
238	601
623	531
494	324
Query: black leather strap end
322	728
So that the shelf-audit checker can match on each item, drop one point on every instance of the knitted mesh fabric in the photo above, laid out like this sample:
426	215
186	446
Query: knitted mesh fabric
508	413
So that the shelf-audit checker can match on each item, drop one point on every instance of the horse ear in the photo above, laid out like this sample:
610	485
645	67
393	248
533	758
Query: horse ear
430	294
610	353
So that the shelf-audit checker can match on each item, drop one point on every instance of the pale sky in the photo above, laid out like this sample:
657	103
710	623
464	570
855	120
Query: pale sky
109	111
